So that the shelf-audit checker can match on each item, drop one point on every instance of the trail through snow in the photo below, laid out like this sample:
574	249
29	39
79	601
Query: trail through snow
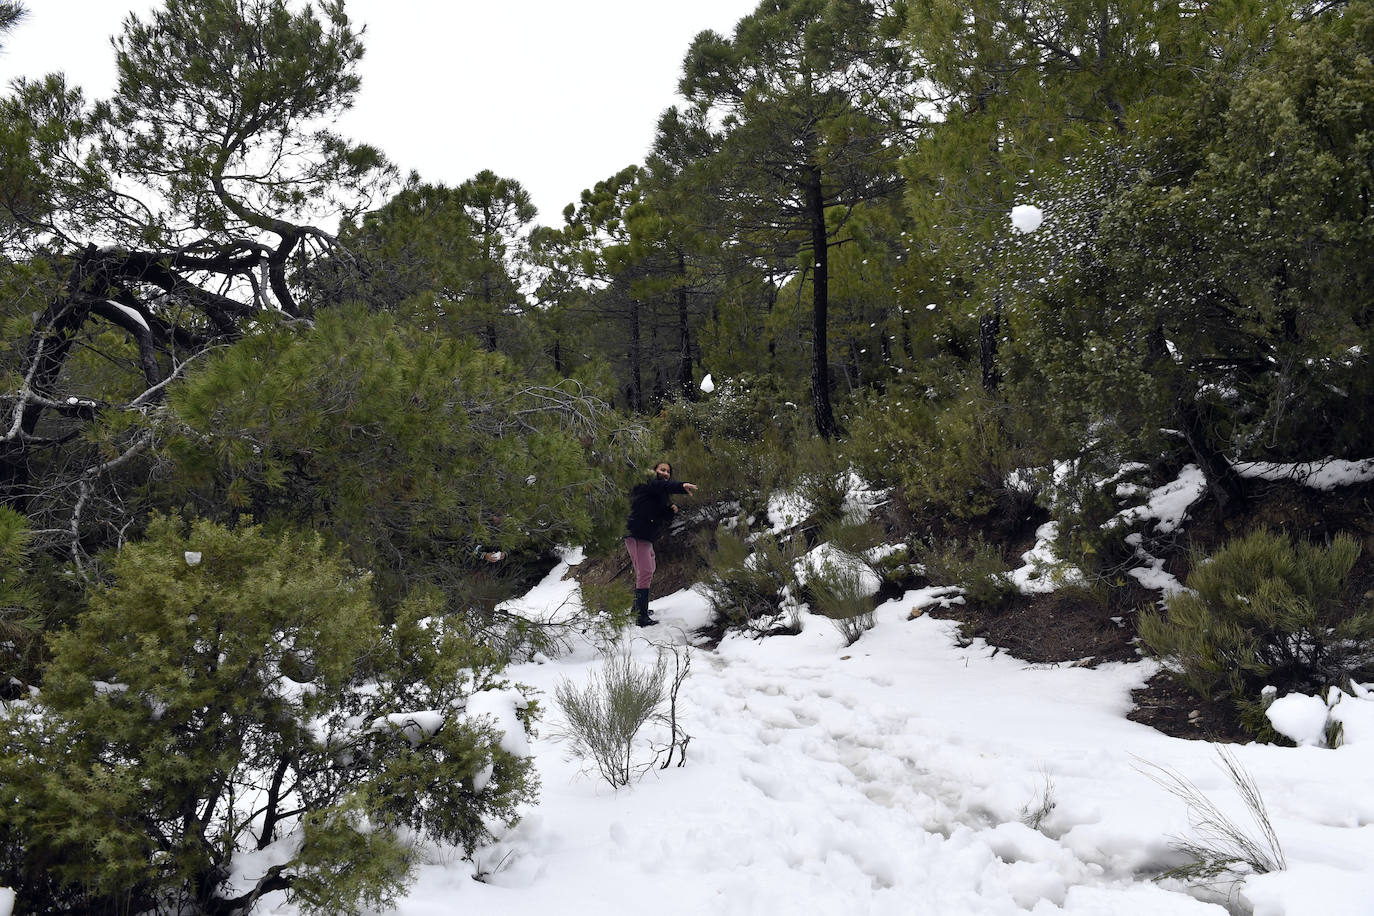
900	775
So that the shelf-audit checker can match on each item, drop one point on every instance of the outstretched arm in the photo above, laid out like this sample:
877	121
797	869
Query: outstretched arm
678	487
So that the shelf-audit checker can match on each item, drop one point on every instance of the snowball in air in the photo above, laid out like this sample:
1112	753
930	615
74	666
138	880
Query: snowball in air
192	557
1026	217
707	384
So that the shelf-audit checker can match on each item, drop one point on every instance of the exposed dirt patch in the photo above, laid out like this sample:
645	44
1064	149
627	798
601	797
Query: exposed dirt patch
1167	706
1068	626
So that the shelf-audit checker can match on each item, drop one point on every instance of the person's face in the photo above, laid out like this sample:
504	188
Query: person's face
663	470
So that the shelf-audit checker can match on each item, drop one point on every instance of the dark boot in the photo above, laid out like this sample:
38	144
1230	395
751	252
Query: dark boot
642	608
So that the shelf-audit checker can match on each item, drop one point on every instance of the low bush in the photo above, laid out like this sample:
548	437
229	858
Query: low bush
947	456
839	592
974	565
604	717
230	688
822	481
1085	501
750	589
610	605
852	537
1265	610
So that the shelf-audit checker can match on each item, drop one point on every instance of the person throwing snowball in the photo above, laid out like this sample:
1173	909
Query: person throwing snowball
651	507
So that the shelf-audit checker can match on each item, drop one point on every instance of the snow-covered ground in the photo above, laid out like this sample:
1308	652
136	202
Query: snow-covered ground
896	776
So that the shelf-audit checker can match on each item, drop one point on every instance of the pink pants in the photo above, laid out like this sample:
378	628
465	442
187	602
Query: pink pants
642	556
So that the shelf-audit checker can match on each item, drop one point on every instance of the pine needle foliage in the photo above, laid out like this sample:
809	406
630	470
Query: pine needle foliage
741	438
822	480
974	565
229	688
838	593
19	626
1265	610
747	587
948	455
412	449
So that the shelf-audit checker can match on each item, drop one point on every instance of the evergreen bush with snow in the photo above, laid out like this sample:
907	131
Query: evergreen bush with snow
1265	610
822	480
1085	499
839	593
749	589
232	691
974	565
740	438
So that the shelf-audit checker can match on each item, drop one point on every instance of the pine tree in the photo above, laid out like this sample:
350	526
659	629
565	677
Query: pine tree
171	215
594	273
811	99
501	210
407	257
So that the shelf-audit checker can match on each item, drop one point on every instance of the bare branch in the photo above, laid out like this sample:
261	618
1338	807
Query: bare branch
86	483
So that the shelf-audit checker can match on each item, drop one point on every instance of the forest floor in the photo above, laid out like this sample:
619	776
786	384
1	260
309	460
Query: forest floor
1076	626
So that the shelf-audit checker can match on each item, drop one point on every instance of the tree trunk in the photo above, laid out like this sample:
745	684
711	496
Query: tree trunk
636	358
48	348
684	367
989	329
820	307
1225	485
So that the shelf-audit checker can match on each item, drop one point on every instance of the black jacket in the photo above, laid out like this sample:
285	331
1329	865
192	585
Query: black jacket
650	507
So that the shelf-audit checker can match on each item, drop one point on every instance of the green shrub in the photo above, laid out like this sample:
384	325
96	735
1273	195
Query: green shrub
1085	503
608	609
947	455
603	718
838	593
974	565
852	537
1265	610
747	589
738	441
19	626
416	451
227	689
613	602
822	480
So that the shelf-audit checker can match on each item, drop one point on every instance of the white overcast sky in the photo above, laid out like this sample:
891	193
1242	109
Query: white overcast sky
557	94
